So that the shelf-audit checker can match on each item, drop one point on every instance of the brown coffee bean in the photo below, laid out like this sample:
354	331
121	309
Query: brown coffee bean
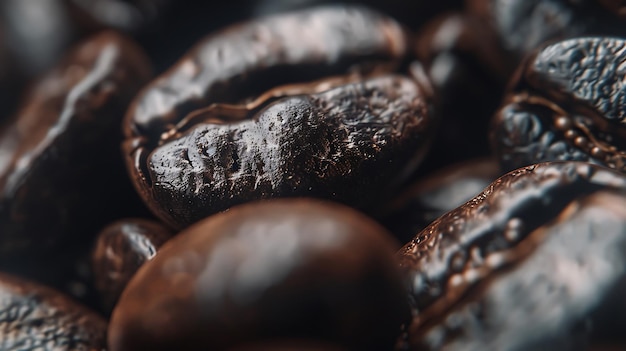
61	174
287	268
523	265
34	317
221	128
121	248
524	25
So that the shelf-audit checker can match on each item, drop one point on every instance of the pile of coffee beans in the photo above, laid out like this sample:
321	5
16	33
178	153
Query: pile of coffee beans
312	175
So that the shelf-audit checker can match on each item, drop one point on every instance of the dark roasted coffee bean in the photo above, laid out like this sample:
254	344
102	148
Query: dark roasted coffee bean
462	58
34	317
432	196
121	248
286	268
523	25
222	128
523	265
566	103
61	174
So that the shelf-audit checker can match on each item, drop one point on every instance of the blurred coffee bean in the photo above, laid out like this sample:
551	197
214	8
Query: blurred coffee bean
566	103
61	173
523	25
524	265
300	104
121	248
37	32
463	60
35	317
432	196
287	268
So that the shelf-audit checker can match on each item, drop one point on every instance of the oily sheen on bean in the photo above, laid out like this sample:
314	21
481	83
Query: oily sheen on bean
60	165
268	270
120	249
524	265
298	104
566	104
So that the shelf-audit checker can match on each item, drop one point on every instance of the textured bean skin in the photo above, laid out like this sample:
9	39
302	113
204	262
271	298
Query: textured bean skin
237	62
342	125
60	169
478	274
121	248
286	268
34	317
332	145
566	104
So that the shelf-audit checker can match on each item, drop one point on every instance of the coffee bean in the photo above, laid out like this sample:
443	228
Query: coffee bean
61	175
523	265
524	25
121	248
286	268
221	128
566	104
34	317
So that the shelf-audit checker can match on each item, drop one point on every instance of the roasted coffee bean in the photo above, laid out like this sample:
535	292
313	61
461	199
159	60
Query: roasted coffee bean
34	317
432	196
283	268
221	128
121	248
566	103
523	25
523	265
61	174
461	57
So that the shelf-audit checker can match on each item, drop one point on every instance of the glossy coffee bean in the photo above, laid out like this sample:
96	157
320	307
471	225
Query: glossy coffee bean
432	196
286	268
566	103
121	248
221	127
525	265
35	317
61	174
